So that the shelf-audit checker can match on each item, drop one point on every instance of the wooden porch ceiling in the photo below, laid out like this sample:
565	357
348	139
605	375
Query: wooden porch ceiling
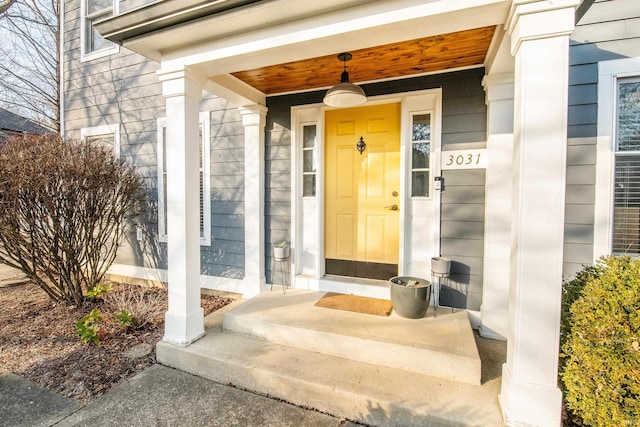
431	54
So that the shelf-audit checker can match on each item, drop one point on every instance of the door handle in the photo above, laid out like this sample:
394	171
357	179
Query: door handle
392	207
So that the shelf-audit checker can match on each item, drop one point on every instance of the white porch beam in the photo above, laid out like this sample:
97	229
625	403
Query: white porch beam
497	235
539	33
499	60
235	90
254	121
184	320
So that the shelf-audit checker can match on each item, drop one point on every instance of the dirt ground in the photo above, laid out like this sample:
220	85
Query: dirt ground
37	342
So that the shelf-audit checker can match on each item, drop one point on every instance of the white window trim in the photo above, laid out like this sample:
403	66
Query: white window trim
110	128
205	121
608	74
89	56
302	150
409	154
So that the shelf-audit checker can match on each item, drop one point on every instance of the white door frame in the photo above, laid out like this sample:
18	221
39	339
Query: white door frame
307	213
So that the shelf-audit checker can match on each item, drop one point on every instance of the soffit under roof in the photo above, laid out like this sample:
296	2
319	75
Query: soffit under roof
463	49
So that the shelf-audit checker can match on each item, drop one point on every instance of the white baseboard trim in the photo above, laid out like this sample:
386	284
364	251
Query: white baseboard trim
156	274
136	272
225	284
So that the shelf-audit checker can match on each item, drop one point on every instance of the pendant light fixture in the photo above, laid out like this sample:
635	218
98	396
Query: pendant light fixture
345	93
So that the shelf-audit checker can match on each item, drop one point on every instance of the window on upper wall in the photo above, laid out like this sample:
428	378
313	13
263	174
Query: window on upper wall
421	155
205	180
626	193
93	44
309	160
106	135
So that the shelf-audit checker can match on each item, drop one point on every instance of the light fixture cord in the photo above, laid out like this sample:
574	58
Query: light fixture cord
344	77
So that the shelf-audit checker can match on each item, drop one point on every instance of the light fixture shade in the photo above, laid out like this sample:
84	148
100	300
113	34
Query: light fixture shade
345	94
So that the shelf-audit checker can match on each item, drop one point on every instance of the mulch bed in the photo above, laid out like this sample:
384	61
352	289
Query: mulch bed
37	342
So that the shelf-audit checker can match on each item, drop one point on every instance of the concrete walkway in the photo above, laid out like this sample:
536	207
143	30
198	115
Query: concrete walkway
158	396
26	404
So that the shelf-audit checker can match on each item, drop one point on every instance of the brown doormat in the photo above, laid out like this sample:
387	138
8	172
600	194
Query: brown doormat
379	307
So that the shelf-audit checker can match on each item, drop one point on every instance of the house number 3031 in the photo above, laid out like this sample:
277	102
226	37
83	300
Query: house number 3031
464	159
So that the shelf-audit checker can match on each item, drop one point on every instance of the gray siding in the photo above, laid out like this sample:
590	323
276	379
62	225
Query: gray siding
610	29
124	88
225	256
277	179
462	236
120	88
464	126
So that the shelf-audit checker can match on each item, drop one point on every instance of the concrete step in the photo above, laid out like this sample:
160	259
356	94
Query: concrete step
362	392
442	346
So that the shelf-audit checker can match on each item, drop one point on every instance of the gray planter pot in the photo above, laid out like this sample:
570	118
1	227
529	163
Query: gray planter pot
409	301
440	266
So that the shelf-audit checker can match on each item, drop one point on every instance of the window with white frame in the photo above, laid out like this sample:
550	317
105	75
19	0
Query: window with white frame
309	159
205	180
617	188
106	135
626	193
93	45
421	155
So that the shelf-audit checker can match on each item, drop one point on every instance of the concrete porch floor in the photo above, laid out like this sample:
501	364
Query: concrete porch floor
381	371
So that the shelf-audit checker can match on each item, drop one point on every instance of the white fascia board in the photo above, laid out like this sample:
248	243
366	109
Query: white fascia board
357	27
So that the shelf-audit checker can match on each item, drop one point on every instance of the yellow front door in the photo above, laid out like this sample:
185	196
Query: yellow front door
362	199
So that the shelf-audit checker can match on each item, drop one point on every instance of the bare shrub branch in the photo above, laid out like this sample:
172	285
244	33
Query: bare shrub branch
64	208
30	60
147	305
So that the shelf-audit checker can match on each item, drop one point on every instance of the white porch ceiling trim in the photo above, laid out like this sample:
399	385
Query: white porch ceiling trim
265	34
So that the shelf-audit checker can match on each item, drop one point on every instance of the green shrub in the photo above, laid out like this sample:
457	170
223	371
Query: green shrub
126	319
89	327
99	291
602	351
571	291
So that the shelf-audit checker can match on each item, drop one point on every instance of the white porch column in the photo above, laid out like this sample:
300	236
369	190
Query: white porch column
254	121
184	320
539	33
497	235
